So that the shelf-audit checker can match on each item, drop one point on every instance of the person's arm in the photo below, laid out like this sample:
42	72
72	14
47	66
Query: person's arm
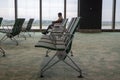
58	21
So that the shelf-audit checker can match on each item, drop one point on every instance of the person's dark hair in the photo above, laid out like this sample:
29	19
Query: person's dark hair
60	13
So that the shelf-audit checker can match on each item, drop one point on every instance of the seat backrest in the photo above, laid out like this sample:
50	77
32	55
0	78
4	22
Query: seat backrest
17	27
74	27
63	24
1	20
70	25
68	41
29	24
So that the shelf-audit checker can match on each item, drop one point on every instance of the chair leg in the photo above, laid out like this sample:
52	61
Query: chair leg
3	38
22	35
14	40
60	58
75	67
2	51
29	34
47	53
47	66
71	53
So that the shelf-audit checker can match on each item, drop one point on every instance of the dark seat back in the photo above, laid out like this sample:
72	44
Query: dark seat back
29	24
1	20
17	27
72	31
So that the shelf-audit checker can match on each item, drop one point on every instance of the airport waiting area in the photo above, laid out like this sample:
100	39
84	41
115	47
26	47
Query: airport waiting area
59	40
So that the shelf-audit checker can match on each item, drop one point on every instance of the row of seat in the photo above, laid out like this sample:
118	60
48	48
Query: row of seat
59	31
15	30
60	40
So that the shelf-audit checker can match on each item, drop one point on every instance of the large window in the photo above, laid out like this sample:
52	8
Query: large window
117	24
72	9
50	9
107	14
29	9
7	11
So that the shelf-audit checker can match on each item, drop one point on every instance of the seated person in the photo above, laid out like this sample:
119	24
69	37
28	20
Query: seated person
59	20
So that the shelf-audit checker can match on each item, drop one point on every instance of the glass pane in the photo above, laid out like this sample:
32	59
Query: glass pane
107	14
50	9
29	9
117	25
71	10
7	11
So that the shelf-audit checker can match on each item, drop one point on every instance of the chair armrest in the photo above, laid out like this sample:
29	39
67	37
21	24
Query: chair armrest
6	28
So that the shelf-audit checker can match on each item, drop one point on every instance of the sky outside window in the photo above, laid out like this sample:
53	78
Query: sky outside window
7	9
107	14
72	6
71	10
29	9
117	25
50	10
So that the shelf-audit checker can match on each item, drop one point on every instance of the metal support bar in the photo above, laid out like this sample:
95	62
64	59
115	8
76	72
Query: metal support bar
14	40
74	63
4	38
48	62
71	52
48	51
47	66
77	68
29	34
2	51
